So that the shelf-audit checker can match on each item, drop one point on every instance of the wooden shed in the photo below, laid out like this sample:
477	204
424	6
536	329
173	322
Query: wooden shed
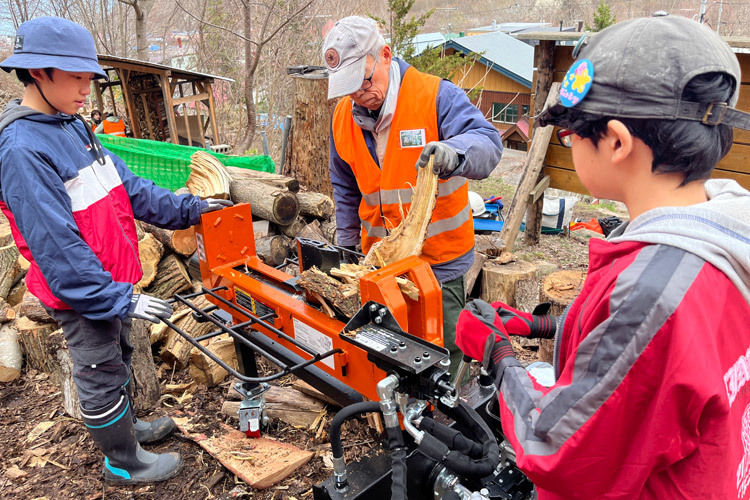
552	60
162	103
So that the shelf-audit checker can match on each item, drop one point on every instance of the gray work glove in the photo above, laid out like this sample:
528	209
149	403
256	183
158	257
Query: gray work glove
144	306
211	204
446	159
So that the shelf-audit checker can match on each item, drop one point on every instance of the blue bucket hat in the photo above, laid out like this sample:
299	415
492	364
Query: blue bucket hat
54	42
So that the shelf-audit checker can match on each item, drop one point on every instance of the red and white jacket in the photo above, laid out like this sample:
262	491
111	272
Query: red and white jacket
652	398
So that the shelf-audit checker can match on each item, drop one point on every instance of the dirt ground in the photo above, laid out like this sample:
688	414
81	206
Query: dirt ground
47	455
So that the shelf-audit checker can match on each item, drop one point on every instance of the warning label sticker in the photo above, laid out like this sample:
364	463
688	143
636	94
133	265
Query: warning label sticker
315	340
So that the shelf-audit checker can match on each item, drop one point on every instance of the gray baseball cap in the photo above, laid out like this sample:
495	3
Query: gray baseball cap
345	52
54	42
639	68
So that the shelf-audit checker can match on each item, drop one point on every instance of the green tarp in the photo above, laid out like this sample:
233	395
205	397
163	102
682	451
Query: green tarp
167	164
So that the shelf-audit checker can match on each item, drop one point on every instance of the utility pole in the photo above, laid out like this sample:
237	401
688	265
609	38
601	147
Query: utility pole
702	14
718	21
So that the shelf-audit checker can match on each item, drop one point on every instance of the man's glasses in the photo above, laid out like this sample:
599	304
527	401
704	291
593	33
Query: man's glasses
367	82
564	135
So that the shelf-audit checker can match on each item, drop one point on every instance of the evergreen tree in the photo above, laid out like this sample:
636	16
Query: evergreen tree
603	17
401	29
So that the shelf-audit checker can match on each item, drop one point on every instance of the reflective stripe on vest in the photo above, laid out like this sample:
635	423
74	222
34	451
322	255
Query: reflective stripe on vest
114	128
388	192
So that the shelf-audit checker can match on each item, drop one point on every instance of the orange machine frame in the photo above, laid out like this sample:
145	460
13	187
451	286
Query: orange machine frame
225	242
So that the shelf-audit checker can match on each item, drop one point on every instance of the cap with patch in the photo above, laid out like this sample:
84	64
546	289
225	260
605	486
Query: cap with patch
54	42
345	52
639	68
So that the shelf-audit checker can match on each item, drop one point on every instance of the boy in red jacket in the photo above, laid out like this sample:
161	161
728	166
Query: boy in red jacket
652	360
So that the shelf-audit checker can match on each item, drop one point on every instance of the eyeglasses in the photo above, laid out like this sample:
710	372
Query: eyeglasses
564	136
367	82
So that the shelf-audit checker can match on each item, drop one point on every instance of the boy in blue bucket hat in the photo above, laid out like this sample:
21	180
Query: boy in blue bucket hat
71	206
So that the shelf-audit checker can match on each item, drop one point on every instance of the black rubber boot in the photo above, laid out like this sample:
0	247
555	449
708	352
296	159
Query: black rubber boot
125	461
156	430
147	432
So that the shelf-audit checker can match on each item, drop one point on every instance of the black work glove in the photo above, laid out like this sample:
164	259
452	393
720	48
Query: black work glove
481	335
535	325
445	162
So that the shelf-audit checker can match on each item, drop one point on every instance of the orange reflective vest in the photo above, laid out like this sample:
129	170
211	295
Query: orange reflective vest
114	128
450	233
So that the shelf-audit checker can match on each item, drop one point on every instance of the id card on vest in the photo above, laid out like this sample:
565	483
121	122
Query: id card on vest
412	138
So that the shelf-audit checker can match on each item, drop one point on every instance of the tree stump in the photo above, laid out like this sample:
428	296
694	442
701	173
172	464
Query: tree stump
510	283
560	289
308	146
171	278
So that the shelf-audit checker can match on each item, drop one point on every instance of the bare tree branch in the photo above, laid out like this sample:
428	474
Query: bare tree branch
287	21
214	25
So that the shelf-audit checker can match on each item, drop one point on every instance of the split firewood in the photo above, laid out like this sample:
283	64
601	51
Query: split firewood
208	176
32	308
272	249
326	308
6	237
171	278
351	273
276	180
345	298
9	268
176	351
328	228
159	331
206	371
7	313
312	231
150	251
181	241
312	204
408	237
23	267
15	296
34	337
11	356
280	206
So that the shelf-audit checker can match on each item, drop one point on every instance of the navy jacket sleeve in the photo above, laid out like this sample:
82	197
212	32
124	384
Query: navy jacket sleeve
462	127
156	205
347	196
42	210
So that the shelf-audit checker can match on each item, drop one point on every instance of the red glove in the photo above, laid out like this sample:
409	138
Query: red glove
537	324
481	335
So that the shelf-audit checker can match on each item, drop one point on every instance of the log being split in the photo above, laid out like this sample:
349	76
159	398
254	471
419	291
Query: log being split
268	202
408	237
343	297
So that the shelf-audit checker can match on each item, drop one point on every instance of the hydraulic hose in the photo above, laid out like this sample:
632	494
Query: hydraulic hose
462	463
339	466
451	437
398	463
344	414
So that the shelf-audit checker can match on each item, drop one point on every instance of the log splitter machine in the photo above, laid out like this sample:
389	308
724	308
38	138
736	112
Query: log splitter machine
387	358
